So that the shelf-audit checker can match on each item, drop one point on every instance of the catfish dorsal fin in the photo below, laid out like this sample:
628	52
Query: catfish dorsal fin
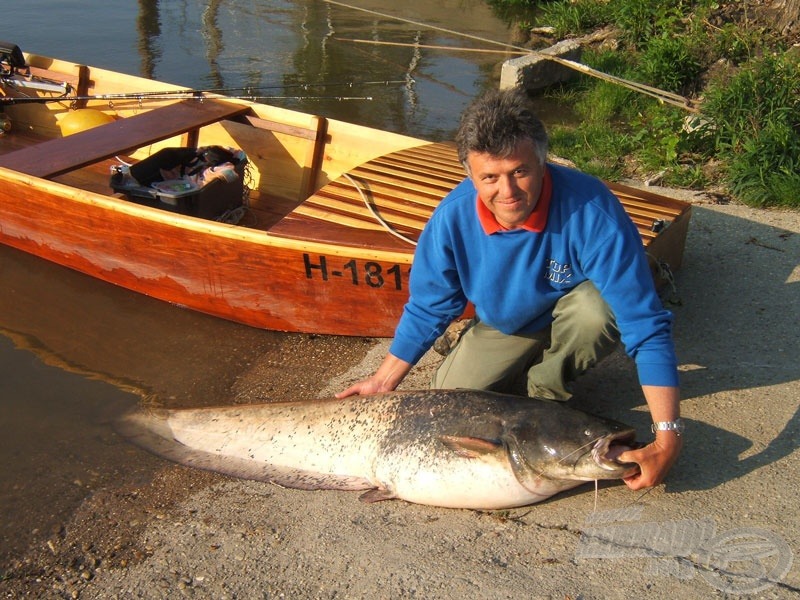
471	447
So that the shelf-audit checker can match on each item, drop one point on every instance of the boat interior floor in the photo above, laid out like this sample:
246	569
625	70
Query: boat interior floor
94	177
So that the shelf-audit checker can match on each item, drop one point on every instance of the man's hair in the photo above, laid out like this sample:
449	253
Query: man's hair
497	122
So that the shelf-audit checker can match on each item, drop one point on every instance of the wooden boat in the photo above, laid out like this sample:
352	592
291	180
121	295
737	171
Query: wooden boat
309	254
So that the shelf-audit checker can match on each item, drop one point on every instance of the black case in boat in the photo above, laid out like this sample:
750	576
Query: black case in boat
144	182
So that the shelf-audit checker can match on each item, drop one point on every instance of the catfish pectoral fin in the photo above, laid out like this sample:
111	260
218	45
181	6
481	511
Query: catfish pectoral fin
377	495
471	447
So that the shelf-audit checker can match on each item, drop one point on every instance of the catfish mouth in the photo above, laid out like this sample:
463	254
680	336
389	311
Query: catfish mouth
607	449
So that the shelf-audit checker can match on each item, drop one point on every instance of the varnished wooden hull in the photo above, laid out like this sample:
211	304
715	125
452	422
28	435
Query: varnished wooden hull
222	270
314	261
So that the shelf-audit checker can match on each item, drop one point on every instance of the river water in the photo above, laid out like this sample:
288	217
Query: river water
74	352
279	44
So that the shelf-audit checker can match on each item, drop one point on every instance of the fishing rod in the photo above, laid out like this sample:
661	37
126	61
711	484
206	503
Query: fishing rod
661	95
9	100
188	93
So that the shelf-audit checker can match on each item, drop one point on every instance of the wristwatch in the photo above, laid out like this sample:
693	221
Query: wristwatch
677	426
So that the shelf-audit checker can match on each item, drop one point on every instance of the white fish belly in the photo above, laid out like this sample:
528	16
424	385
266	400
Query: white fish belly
457	482
283	436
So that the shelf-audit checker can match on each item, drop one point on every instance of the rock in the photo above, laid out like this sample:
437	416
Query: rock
536	71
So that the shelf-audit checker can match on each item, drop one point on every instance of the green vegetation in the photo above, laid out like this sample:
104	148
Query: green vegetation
754	129
746	137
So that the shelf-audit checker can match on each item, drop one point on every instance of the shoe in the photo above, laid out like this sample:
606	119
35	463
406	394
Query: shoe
445	343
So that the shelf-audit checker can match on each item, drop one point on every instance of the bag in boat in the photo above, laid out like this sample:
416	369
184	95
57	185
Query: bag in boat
206	182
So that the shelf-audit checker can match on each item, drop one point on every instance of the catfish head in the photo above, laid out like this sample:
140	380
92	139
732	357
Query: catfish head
556	442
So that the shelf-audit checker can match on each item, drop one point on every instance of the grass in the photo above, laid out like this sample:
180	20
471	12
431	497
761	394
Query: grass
754	127
749	126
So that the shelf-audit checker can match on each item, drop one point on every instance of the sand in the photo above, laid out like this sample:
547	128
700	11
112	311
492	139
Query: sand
727	520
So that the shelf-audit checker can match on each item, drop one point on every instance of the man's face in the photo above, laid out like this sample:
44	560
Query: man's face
510	186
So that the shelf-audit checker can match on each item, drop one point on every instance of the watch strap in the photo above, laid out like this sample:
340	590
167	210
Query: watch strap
677	426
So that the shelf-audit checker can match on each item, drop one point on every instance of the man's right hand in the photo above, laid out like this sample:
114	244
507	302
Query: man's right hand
386	378
362	388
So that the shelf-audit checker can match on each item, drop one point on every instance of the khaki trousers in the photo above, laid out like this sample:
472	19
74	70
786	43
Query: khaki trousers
582	333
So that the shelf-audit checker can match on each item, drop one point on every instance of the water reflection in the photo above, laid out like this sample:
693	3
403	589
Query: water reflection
212	36
214	44
99	331
149	27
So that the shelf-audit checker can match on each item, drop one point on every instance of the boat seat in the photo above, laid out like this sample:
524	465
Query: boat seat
60	155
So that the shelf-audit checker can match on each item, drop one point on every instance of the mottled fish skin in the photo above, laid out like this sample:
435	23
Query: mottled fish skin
450	448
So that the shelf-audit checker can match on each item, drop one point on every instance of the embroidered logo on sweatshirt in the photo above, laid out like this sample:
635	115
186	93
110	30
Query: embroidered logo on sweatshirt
558	273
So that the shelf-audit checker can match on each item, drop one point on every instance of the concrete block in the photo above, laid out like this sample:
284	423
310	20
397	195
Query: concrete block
534	71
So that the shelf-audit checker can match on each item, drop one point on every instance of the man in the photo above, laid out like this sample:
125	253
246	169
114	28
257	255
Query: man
555	269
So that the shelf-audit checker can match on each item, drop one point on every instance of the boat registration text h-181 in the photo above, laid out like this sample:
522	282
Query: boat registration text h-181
370	273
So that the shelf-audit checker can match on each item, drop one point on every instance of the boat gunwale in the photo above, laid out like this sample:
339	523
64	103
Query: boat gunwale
198	225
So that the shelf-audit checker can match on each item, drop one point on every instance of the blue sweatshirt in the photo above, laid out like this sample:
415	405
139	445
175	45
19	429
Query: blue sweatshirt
514	277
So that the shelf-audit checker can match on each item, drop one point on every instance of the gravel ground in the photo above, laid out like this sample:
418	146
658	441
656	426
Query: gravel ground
726	523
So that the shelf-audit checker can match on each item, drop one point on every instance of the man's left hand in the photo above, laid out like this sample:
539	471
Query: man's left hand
654	460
